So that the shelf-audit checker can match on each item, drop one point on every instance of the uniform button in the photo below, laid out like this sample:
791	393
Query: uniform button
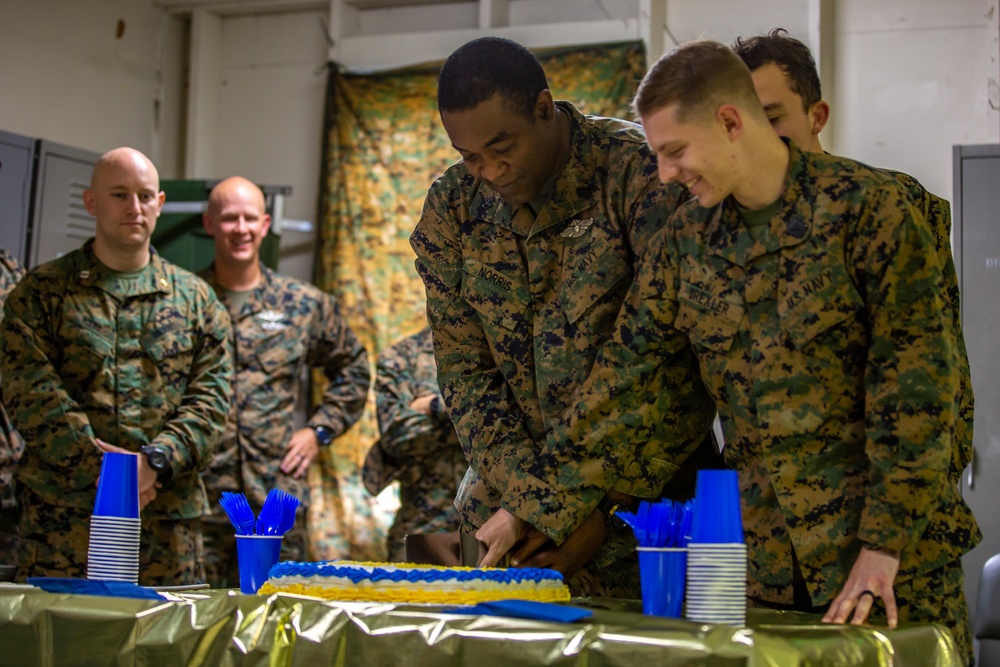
796	228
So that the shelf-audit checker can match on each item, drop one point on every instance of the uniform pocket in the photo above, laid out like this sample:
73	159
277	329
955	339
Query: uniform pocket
588	287
173	355
493	295
822	309
710	320
283	348
82	337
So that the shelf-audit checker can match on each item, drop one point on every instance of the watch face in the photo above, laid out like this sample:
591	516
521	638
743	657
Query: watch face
323	435
157	460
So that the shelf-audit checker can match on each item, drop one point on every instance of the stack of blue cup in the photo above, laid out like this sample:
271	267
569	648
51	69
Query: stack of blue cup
113	552
717	554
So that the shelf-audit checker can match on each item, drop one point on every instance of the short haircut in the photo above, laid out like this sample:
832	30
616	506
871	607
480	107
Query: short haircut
698	77
790	55
490	66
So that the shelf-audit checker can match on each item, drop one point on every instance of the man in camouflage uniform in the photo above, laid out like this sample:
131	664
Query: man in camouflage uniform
526	251
112	348
817	304
281	327
418	444
11	444
787	83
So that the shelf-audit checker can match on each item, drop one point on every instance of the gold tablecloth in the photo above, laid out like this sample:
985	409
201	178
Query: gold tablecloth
226	628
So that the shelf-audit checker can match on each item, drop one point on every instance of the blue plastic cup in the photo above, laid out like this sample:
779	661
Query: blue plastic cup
256	555
717	518
118	486
662	571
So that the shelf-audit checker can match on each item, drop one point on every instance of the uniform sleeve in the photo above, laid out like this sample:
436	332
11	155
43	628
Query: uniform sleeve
47	417
489	422
407	436
195	429
642	411
344	362
10	441
937	213
912	377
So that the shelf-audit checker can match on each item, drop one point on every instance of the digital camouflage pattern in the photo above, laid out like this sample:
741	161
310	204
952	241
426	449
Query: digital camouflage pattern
383	144
520	306
171	552
11	443
421	451
829	348
937	213
285	327
89	355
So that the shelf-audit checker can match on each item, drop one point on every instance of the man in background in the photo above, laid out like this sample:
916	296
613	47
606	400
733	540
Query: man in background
281	327
526	249
112	348
11	444
813	294
787	83
417	446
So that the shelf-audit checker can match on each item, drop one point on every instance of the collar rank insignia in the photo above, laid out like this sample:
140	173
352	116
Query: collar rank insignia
577	228
271	320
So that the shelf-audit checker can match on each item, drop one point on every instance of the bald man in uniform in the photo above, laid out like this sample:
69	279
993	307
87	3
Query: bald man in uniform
112	348
280	328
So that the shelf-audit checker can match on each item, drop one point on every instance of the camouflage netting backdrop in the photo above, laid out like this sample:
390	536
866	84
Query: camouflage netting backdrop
383	146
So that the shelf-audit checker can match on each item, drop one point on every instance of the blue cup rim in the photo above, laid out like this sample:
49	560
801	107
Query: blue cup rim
259	537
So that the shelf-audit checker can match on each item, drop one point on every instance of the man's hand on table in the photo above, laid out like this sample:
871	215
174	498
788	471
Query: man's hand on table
147	476
571	555
871	577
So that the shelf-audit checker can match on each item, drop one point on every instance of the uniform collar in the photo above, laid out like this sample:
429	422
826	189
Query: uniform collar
728	236
152	280
259	299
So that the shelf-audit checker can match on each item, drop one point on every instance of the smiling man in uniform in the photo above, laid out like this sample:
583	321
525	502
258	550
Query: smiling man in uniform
112	348
526	249
815	299
281	328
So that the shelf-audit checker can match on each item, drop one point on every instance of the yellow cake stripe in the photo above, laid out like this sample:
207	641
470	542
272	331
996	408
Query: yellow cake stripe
418	595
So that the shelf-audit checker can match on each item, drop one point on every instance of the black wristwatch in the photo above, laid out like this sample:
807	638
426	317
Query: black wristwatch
158	459
323	435
437	407
608	507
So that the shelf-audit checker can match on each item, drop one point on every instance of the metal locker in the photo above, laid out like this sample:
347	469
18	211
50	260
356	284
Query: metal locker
976	216
17	155
60	222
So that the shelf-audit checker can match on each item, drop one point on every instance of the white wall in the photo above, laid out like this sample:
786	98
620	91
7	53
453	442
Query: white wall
272	83
911	80
66	76
909	77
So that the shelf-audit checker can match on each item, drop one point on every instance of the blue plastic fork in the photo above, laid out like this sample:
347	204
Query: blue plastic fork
289	504
278	514
239	512
270	514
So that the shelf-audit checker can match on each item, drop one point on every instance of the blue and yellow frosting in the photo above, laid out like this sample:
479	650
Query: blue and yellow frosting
412	583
